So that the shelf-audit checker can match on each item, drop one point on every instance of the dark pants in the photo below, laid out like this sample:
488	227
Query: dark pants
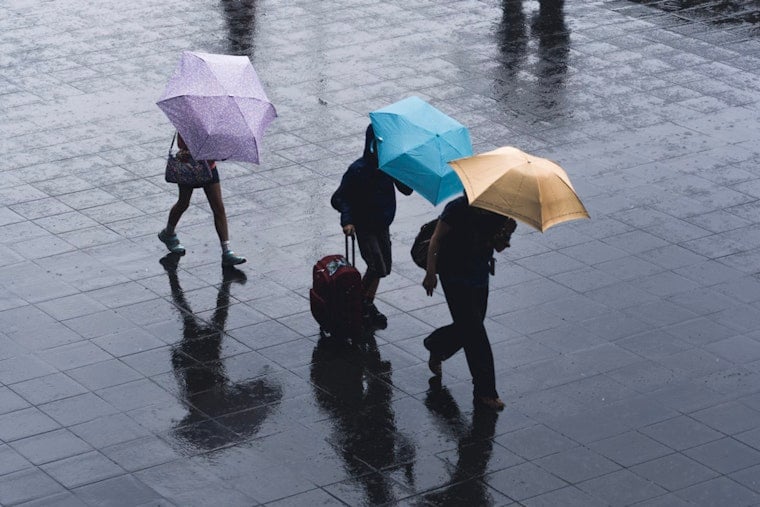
468	310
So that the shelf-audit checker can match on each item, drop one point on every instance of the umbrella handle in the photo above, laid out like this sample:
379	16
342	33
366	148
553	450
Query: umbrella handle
353	250
171	146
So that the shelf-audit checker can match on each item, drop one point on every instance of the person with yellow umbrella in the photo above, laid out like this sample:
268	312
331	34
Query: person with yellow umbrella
498	185
461	252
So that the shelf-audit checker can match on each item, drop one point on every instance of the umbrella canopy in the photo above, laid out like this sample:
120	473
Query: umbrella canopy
530	189
218	105
415	142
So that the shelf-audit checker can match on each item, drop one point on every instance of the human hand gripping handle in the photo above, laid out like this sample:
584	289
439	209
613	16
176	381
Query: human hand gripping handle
349	230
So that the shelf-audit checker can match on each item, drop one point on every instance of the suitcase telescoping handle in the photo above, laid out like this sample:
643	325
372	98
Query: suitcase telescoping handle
352	260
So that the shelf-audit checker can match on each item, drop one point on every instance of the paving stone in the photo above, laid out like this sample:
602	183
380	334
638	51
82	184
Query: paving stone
124	490
729	418
535	442
77	409
24	423
621	486
721	489
630	448
11	461
674	472
577	464
570	496
748	477
524	481
52	446
48	388
681	433
27	485
725	456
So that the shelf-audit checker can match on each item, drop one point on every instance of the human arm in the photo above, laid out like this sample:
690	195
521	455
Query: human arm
431	279
341	201
184	153
402	188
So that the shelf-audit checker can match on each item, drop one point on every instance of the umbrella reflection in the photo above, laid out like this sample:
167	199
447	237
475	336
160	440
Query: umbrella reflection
473	450
352	386
548	27
240	17
220	412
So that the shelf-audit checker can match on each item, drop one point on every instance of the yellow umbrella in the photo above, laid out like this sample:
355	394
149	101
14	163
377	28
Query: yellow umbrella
510	182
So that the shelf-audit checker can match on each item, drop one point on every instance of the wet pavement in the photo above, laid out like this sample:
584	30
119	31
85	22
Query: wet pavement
627	346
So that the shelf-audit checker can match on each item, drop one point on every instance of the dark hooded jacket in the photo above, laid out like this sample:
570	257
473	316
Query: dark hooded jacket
366	196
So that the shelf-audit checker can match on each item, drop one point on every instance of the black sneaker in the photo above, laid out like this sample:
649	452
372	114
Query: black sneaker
373	316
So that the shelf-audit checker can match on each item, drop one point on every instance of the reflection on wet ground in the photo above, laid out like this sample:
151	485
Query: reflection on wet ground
353	385
627	347
731	13
549	65
220	412
240	17
473	450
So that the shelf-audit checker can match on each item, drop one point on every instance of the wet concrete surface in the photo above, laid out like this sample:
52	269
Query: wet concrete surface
627	346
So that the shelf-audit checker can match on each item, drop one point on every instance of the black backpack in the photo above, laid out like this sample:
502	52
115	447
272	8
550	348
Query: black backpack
421	243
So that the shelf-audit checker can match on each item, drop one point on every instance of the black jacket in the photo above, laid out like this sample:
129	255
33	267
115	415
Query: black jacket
366	196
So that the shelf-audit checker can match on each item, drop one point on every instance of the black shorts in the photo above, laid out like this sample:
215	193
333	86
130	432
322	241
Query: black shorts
375	249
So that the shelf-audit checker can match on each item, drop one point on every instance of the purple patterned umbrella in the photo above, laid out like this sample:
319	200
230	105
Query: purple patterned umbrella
218	105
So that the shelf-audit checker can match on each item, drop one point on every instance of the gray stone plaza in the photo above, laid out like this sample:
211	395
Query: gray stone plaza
627	346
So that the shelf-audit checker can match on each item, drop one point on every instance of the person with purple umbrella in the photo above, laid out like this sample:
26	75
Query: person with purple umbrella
213	191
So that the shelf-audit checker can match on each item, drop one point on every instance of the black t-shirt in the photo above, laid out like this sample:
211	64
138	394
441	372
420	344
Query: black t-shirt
466	251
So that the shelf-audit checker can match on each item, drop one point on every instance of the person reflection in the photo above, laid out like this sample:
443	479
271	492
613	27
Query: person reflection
553	38
512	37
240	17
553	48
474	448
219	411
352	384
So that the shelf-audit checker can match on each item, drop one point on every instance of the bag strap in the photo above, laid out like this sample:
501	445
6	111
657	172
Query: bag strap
204	162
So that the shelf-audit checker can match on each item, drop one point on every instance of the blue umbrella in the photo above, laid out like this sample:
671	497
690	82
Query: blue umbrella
415	142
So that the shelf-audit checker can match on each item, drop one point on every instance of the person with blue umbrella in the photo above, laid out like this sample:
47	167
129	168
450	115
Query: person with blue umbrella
366	199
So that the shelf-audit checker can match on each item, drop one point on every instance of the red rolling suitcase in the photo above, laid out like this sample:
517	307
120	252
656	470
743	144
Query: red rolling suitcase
336	295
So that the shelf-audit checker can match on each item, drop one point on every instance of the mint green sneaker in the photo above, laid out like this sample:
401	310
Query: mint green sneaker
230	259
172	242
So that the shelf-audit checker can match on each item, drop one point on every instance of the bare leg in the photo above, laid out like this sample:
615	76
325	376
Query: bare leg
369	286
214	196
168	236
371	313
183	202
